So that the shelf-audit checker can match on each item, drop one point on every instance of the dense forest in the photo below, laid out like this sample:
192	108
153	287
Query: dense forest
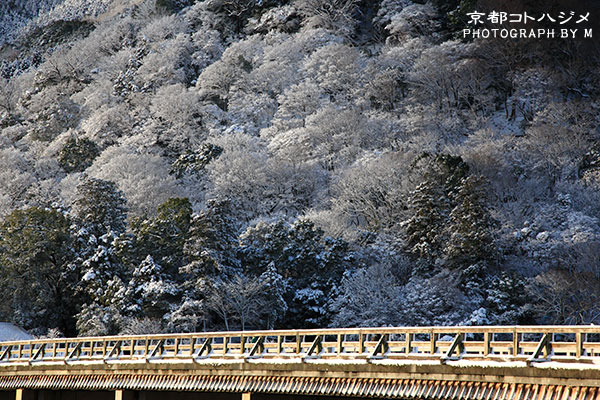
181	165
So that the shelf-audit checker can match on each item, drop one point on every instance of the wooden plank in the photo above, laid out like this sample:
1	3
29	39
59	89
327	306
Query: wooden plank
146	347
279	344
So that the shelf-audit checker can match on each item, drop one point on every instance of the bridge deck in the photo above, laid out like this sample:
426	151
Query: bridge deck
426	362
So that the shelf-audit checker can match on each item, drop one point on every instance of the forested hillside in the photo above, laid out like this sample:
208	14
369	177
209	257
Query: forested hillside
181	165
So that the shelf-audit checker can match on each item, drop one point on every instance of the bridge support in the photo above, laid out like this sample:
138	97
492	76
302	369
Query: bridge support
122	395
246	396
24	394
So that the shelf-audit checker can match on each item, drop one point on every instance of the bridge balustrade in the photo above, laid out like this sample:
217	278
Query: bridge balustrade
529	343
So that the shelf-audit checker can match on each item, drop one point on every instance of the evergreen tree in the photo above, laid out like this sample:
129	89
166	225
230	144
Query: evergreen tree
101	284
150	293
311	264
469	226
100	207
429	209
163	237
104	314
37	283
195	162
430	205
77	154
210	253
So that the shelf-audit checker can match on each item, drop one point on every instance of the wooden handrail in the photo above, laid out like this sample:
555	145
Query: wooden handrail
477	342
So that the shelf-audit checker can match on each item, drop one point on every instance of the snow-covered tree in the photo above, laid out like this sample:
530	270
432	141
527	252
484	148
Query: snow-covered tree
368	297
430	204
335	15
150	293
163	236
413	20
256	184
469	225
77	154
311	263
100	207
238	301
143	178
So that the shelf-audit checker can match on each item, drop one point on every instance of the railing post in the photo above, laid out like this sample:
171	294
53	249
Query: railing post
192	342
579	343
486	343
515	343
433	339
361	343
298	344
242	344
340	345
409	337
279	344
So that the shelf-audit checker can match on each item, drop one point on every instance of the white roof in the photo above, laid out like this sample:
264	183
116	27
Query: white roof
9	332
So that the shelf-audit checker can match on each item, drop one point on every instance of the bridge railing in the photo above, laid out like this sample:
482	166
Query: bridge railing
505	343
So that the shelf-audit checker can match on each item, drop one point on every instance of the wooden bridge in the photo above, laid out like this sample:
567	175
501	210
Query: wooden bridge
509	362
